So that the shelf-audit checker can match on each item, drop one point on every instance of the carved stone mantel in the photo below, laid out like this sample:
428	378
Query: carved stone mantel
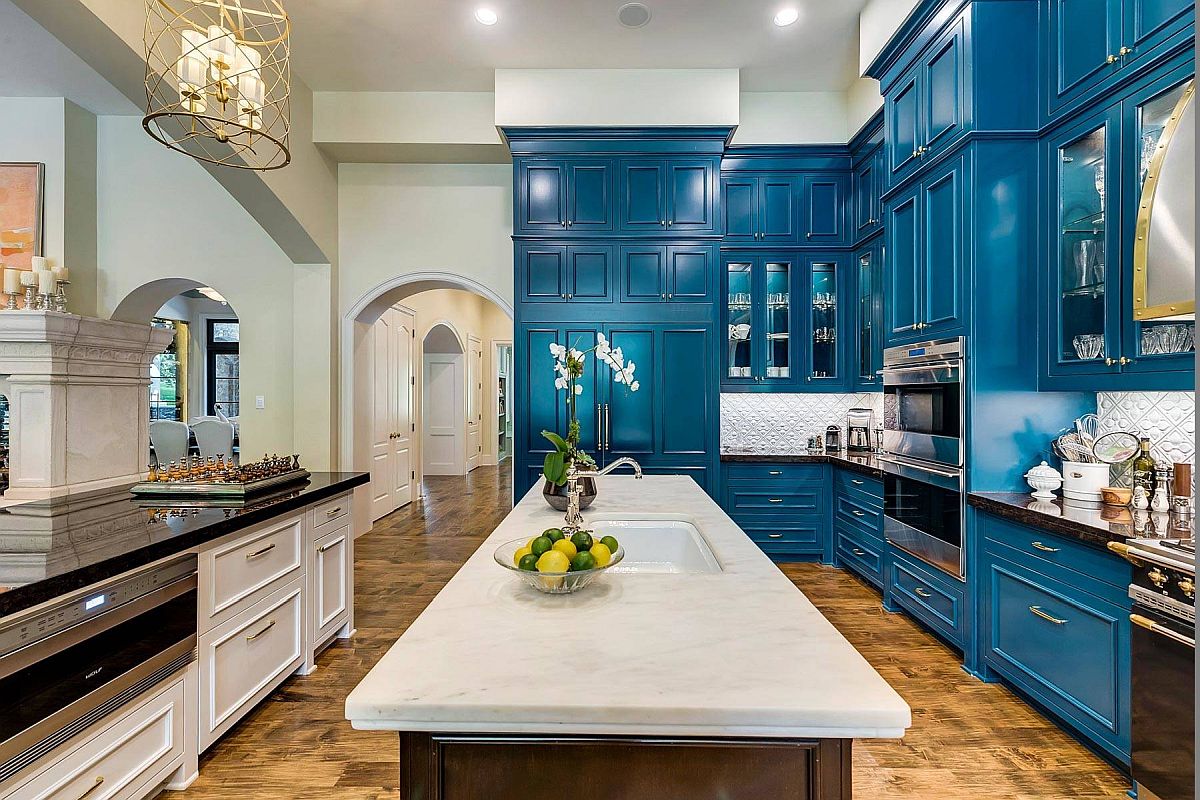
79	402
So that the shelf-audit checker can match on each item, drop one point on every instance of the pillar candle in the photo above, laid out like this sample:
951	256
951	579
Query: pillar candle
12	280
45	281
28	278
60	273
39	263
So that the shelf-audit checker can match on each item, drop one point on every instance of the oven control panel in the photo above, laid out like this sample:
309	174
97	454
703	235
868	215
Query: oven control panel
1163	588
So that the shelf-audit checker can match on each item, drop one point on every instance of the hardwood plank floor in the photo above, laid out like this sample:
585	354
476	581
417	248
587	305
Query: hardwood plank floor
968	740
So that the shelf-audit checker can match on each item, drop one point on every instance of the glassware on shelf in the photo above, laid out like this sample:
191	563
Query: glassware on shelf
1168	339
1089	346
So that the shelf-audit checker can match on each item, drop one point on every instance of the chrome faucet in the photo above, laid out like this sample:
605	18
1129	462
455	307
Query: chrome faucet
574	475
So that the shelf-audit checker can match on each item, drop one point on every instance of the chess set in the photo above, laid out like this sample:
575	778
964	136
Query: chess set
217	478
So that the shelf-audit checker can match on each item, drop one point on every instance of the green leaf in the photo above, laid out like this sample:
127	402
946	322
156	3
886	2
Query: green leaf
555	468
556	440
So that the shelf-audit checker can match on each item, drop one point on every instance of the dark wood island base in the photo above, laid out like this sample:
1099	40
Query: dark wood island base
543	767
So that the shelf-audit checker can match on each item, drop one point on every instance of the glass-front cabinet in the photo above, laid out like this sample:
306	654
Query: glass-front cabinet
868	328
822	334
759	320
1096	171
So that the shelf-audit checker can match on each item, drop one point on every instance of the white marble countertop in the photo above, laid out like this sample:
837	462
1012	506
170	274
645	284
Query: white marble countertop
736	653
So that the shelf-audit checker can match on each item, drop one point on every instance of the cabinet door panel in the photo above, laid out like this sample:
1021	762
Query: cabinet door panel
778	217
589	273
903	269
944	91
587	402
1149	21
824	209
643	273
689	273
540	401
590	206
543	274
903	121
642	195
685	385
942	249
545	194
689	192
631	414
1083	34
864	197
740	208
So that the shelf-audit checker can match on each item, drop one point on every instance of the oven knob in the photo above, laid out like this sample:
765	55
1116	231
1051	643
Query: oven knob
1188	587
1157	577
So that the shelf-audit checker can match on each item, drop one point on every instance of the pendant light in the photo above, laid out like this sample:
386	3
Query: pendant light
218	80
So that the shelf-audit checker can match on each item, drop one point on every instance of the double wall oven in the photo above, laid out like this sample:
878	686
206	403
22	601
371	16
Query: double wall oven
923	412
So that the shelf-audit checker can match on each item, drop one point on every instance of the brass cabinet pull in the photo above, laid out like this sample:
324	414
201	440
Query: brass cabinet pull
774	500
254	636
1111	59
262	552
1037	612
333	512
775	535
1123	361
1154	627
923	592
1124	51
856	481
857	513
1108	362
1044	548
775	472
323	548
99	782
857	552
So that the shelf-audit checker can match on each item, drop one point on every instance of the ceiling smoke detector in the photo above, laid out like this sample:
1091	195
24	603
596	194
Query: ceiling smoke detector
633	15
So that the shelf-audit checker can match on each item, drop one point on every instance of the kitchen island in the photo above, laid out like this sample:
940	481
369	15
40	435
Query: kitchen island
729	684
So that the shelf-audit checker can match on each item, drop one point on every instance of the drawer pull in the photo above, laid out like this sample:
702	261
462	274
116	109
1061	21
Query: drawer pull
856	481
333	512
857	513
775	472
325	547
923	592
1037	612
262	552
775	500
266	628
858	552
775	535
99	782
1044	548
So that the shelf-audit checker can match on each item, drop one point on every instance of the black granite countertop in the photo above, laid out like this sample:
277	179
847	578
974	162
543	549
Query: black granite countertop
1093	524
51	547
866	463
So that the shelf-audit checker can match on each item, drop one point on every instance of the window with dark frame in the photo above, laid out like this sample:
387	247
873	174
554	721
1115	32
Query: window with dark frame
167	384
222	367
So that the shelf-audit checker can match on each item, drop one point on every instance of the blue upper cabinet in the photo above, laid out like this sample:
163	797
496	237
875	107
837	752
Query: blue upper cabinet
556	273
761	209
565	196
659	273
868	186
825	280
867	345
1091	46
823	208
659	196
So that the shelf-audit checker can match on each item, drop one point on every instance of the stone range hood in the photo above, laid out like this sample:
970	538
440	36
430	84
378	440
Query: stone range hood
79	402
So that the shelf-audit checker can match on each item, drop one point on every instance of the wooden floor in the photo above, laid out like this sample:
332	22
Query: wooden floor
968	740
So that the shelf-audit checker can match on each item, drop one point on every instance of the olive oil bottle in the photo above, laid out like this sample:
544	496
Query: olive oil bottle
1143	467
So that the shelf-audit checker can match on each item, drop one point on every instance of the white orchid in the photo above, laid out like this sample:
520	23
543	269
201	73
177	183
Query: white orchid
560	383
558	351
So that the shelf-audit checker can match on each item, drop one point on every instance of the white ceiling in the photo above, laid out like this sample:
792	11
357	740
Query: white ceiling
436	45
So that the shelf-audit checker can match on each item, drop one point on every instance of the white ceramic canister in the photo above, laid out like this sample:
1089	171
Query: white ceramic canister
1083	481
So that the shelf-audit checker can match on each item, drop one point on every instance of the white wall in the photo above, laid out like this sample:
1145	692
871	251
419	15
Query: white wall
792	118
196	311
862	101
876	24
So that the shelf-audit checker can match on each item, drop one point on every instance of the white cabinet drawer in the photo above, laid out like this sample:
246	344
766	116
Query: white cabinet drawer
331	513
231	573
244	659
328	583
123	760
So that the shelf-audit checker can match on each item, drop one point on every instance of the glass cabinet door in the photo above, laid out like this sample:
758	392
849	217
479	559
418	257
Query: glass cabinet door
865	350
739	283
1153	342
777	301
823	331
1085	182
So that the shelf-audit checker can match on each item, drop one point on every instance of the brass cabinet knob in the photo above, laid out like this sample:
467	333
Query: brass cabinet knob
1157	577
1124	51
915	154
1188	587
1108	362
1111	59
1123	361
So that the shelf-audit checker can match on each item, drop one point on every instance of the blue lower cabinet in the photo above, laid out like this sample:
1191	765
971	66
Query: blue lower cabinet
858	524
1055	626
859	552
934	598
784	508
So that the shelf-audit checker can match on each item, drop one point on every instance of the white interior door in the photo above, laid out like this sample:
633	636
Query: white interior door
474	402
403	342
382	430
442	445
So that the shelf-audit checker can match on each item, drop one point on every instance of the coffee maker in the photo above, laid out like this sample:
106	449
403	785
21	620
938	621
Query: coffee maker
858	430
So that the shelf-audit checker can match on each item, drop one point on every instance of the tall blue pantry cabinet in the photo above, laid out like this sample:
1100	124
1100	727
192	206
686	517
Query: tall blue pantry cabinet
618	231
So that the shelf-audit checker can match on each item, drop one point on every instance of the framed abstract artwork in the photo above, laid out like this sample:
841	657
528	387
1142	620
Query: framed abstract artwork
21	186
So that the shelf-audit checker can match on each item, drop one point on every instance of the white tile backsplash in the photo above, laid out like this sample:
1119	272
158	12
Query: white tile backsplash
782	423
1168	418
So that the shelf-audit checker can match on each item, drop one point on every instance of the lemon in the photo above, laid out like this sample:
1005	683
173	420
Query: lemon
521	553
565	547
601	553
553	561
539	545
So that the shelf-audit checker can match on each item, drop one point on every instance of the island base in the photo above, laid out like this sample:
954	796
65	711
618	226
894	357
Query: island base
508	767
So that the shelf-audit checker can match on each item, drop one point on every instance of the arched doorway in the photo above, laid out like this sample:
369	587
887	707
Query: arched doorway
444	421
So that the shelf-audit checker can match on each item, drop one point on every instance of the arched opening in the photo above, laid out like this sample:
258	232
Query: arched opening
195	384
444	421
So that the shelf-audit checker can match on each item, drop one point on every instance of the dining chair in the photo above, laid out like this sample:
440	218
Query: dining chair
169	440
214	437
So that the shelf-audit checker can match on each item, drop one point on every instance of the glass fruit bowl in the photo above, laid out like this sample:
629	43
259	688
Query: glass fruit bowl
552	582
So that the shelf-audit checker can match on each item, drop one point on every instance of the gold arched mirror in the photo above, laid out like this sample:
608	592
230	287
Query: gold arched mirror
1164	253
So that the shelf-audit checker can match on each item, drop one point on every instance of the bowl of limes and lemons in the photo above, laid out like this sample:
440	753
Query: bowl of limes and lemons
558	562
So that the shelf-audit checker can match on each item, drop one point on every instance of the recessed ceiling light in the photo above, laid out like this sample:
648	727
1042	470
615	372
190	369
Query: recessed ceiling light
633	15
786	16
486	16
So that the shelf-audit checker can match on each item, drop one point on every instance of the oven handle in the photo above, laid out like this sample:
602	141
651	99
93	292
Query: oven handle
925	366
1162	630
920	467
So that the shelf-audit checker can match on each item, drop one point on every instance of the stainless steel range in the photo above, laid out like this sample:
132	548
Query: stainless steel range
1163	666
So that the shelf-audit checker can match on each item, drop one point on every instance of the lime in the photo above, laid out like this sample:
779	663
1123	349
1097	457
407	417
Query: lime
582	540
601	553
553	561
566	548
610	542
540	544
528	562
521	553
583	561
553	534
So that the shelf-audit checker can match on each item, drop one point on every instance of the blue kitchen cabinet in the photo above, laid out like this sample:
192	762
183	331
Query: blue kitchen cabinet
760	322
676	194
858	543
826	277
565	196
1095	169
761	209
823	208
557	273
661	273
932	597
783	508
1054	625
1092	46
868	189
867	346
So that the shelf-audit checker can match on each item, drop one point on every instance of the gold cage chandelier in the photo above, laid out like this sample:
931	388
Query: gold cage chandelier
218	80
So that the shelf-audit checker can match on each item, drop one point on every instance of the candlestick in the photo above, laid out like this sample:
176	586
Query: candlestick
60	273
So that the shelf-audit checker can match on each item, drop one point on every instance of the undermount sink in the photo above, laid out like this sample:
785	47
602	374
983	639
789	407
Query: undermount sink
668	545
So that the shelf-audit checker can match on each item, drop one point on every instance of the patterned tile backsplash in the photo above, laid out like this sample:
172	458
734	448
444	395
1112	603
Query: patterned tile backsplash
782	423
1168	418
